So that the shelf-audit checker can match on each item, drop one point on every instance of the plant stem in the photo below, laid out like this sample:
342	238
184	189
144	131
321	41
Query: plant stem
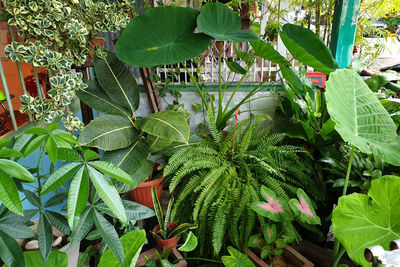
38	176
202	259
219	80
338	257
336	246
346	181
193	80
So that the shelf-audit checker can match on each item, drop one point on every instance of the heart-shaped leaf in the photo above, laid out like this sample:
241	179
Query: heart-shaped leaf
266	251
303	208
308	48
361	221
236	258
270	233
255	241
222	23
162	35
360	118
276	209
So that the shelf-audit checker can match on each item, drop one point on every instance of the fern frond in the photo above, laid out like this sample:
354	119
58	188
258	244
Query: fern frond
220	224
215	133
191	166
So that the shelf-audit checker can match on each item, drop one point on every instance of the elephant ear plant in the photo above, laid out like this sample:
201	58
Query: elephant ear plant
362	121
125	138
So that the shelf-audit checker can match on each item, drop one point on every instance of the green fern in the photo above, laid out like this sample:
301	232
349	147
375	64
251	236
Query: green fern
215	181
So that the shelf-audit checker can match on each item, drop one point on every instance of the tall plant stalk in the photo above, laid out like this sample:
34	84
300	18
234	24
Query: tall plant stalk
336	253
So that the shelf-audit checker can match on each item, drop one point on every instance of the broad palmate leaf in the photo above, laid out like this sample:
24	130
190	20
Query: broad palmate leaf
360	118
361	221
236	259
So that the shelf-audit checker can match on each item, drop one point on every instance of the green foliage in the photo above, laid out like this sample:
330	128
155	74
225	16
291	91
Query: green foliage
220	22
56	36
126	139
175	40
164	232
216	180
236	259
360	118
361	221
132	244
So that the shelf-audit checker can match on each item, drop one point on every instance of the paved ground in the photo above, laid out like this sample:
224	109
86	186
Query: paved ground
389	57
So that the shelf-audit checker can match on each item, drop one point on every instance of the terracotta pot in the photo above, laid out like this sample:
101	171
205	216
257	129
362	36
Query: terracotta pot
142	193
167	243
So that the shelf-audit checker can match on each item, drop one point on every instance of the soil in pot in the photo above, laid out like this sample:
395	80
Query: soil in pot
142	193
167	243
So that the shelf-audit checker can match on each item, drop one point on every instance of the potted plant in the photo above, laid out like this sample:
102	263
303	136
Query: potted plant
142	194
275	236
166	233
128	140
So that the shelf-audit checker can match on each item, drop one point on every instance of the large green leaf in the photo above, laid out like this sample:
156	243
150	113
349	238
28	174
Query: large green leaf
190	243
9	193
267	51
108	133
236	259
107	192
133	160
56	258
308	48
220	22
10	251
110	236
168	124
117	81
113	171
132	243
78	196
45	236
360	118
95	97
16	170
361	221
19	230
60	176
162	35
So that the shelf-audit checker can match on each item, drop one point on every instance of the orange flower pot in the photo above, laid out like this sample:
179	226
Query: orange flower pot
142	193
167	243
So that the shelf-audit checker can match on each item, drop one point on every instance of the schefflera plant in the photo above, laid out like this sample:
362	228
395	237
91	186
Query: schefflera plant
280	211
125	138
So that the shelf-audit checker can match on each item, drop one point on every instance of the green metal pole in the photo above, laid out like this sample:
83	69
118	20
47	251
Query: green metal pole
7	93
344	30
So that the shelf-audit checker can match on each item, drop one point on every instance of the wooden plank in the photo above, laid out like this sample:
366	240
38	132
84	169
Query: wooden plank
151	90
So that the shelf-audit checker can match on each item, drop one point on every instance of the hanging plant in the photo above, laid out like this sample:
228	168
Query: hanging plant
56	37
